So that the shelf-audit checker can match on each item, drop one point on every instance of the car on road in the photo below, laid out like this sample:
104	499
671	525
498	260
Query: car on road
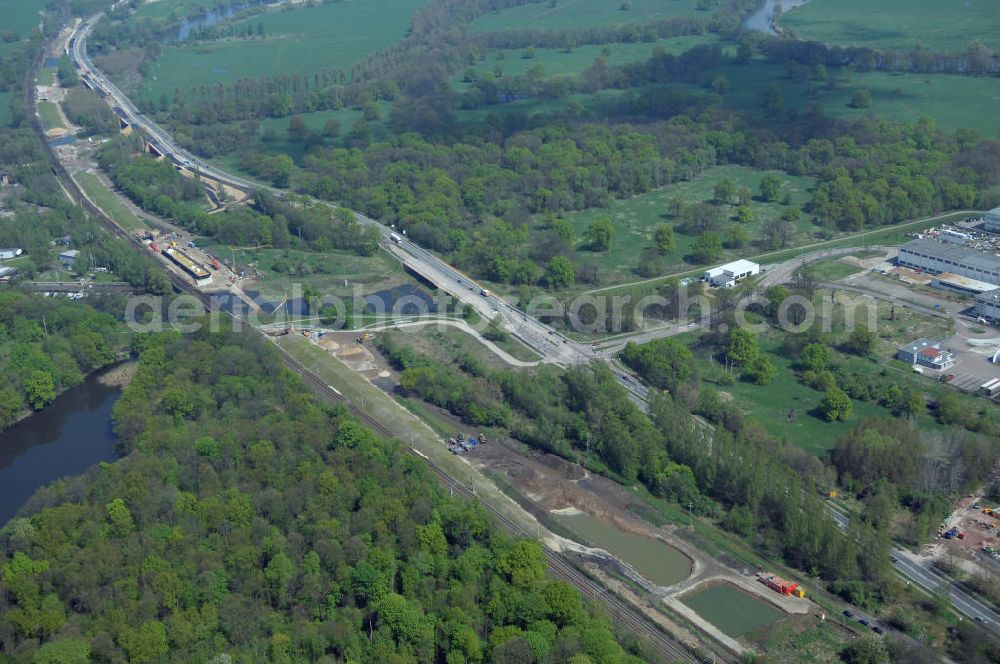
848	613
878	630
864	621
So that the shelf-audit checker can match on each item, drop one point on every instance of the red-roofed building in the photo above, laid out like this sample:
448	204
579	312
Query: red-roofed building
926	353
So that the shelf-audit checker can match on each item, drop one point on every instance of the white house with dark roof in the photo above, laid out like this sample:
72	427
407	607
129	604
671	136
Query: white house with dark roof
926	353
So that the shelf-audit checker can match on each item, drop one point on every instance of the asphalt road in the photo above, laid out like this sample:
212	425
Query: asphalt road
551	344
920	571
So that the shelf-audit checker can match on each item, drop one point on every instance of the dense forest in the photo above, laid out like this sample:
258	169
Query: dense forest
47	346
248	521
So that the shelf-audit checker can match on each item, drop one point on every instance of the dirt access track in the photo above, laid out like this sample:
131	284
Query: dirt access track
544	483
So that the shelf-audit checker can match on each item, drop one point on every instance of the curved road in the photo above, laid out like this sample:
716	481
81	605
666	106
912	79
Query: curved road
552	345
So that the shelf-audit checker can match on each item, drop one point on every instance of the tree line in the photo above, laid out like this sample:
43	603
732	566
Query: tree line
48	345
247	520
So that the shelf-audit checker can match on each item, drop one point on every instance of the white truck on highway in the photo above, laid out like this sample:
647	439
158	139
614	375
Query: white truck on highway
395	238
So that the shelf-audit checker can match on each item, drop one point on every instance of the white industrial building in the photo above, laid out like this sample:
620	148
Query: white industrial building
730	274
988	305
936	257
992	219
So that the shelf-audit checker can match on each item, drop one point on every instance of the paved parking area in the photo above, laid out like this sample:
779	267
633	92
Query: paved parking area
968	382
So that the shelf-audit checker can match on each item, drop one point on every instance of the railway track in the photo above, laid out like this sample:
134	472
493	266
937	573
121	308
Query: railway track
655	640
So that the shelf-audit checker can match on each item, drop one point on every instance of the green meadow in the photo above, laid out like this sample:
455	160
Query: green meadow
298	41
941	25
174	8
635	219
559	62
46	76
107	201
895	96
788	409
20	16
565	14
49	115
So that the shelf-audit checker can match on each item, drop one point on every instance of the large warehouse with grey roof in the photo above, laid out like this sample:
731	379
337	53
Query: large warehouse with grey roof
936	257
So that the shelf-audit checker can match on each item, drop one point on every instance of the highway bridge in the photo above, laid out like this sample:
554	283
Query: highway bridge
554	347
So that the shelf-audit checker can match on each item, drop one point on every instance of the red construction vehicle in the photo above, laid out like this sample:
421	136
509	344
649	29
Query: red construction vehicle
777	584
152	245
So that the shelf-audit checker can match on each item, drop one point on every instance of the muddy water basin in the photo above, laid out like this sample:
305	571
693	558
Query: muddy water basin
732	610
656	561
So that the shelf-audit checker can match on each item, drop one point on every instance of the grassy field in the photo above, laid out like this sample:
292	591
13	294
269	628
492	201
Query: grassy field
557	62
635	219
46	76
908	97
49	114
895	96
563	14
20	16
107	201
800	639
833	269
324	271
770	405
299	41
941	25
174	8
449	344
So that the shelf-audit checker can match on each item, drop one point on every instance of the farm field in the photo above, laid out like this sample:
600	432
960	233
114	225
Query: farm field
20	16
107	201
941	25
583	14
908	97
300	41
897	97
557	62
49	115
636	218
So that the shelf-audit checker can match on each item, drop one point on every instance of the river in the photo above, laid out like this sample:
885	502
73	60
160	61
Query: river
762	20
65	439
211	17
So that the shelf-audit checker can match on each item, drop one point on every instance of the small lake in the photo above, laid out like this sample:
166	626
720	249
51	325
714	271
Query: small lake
65	439
732	610
656	561
68	139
